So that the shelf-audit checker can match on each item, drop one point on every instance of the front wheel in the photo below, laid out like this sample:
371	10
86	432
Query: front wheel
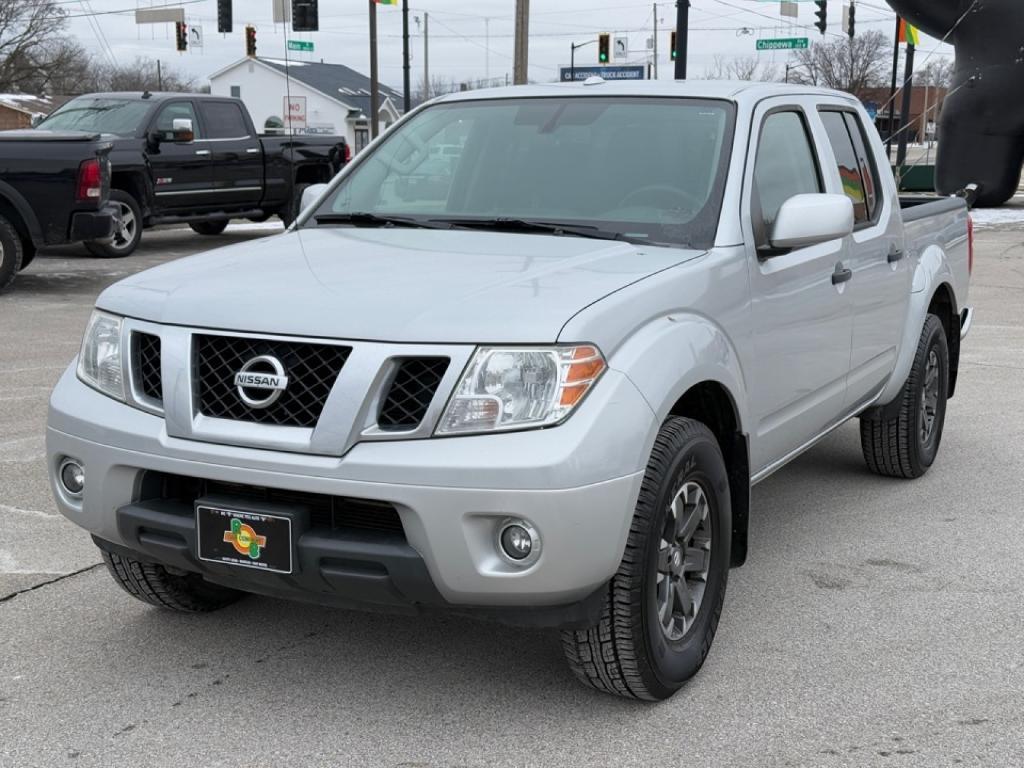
209	227
155	585
663	604
905	443
127	232
11	253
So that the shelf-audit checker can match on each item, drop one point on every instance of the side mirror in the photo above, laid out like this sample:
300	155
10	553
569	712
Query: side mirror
310	195
805	220
181	128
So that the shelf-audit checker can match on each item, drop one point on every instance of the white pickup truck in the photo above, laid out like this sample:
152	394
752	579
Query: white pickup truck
532	379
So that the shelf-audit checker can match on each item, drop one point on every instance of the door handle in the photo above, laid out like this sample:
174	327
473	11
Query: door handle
203	152
841	275
252	151
895	254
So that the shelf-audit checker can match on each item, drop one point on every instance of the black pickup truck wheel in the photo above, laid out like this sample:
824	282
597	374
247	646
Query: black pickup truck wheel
663	604
11	253
293	207
128	232
157	586
209	227
904	442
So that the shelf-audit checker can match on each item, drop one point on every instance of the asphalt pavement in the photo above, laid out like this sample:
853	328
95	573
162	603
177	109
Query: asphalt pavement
877	622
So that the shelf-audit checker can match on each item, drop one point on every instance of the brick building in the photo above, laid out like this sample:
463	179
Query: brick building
921	128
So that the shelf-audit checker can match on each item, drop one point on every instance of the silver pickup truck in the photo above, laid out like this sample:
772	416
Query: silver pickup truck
531	376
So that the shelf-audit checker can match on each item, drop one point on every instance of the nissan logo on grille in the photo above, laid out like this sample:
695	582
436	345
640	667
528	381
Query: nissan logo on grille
261	382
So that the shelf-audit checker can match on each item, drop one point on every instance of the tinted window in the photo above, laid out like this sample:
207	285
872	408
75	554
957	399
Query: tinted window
868	169
785	166
650	169
170	113
849	166
117	116
223	120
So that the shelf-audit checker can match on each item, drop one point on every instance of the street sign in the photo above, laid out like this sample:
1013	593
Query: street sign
160	16
608	73
783	44
872	109
295	112
300	45
620	50
195	37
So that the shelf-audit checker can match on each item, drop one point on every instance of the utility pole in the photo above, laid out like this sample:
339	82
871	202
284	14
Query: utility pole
522	45
892	90
683	36
407	96
159	77
655	41
426	58
908	92
374	85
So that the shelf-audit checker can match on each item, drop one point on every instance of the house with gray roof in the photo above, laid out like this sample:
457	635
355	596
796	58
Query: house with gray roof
304	97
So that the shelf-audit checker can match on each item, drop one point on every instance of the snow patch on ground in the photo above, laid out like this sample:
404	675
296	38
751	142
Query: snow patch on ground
1010	215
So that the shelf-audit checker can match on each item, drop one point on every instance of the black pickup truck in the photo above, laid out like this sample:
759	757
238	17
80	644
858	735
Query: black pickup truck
53	190
195	159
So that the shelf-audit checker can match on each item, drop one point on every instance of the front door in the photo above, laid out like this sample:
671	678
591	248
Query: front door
180	171
236	153
802	321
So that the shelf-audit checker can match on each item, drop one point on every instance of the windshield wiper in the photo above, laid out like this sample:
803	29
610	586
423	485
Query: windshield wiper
507	224
360	219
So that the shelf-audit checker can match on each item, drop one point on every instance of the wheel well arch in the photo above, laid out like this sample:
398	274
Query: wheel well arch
13	215
132	183
943	306
710	403
312	174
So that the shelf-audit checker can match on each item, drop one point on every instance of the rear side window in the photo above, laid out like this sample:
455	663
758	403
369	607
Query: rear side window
785	166
223	120
868	168
855	170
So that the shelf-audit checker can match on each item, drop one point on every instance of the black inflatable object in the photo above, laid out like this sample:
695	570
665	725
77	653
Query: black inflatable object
981	137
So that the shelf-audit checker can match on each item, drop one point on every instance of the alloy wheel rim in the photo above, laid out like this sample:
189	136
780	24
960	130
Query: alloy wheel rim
684	560
930	397
125	232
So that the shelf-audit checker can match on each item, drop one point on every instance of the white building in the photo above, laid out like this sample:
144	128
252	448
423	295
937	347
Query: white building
316	98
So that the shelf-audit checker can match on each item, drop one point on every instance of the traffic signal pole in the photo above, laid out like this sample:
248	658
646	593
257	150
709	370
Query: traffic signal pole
374	84
683	32
892	90
407	96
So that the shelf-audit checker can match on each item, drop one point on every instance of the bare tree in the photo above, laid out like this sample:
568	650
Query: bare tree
938	74
743	68
845	64
32	45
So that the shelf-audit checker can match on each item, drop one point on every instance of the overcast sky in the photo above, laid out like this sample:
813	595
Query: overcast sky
468	40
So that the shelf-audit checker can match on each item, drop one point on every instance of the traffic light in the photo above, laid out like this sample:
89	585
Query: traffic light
223	15
851	18
822	15
305	16
250	41
672	50
604	47
181	35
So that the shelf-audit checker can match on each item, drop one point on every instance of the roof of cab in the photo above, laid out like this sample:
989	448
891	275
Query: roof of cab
729	90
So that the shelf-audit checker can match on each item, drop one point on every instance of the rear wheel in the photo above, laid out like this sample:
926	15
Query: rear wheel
127	232
905	444
663	604
155	585
209	227
11	252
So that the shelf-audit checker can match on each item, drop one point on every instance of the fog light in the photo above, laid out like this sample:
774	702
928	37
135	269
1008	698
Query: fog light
72	477
519	542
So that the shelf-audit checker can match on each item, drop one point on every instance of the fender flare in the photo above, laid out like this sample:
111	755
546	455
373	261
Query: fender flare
932	271
28	218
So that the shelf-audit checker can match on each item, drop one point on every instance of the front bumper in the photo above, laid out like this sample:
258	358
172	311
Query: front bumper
92	225
576	483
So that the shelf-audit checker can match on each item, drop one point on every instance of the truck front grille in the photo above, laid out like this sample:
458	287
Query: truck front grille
411	392
311	370
146	360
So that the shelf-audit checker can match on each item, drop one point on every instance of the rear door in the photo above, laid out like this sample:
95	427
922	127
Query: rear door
235	152
801	319
181	172
880	286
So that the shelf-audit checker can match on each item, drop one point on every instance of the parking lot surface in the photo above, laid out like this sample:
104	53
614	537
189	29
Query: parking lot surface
877	622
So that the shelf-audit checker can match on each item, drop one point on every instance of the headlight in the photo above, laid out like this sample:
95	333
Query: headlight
516	388
99	363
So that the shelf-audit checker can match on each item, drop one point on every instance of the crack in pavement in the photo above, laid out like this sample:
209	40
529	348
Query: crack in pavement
40	585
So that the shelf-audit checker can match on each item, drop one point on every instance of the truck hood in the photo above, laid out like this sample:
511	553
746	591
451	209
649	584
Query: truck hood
401	285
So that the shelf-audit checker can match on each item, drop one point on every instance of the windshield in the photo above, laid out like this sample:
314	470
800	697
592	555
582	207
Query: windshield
645	169
117	116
